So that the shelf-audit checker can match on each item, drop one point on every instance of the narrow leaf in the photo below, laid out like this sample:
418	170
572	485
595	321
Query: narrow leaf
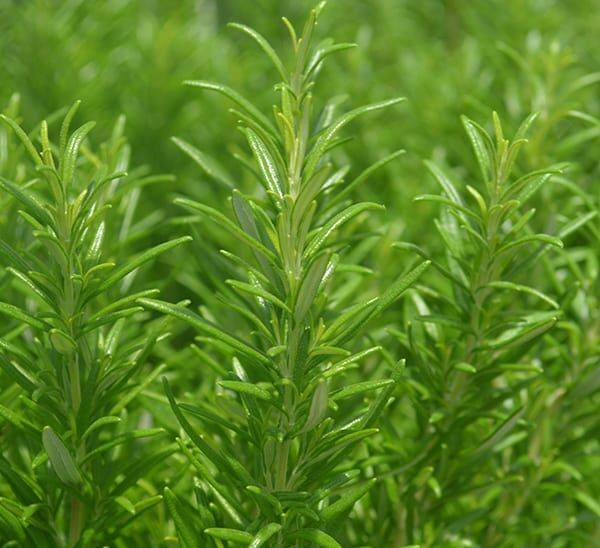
184	530
328	134
24	139
209	165
247	389
310	284
226	223
35	209
481	144
335	222
231	535
65	126
235	97
320	538
264	44
360	388
69	158
521	334
524	289
18	314
60	458
202	325
258	291
265	162
318	407
346	501
138	261
264	535
400	286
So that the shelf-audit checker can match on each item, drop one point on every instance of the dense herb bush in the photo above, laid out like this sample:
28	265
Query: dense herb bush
358	346
70	347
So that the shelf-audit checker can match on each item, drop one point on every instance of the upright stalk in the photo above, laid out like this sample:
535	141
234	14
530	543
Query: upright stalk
285	390
73	375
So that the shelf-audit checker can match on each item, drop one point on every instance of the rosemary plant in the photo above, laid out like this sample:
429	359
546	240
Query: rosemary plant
473	344
275	452
287	417
73	346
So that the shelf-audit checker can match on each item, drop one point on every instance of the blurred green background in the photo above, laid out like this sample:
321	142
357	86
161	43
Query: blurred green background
448	57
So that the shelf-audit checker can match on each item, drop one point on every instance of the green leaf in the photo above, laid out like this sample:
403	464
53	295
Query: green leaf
318	407
231	227
360	388
10	522
62	342
265	162
209	165
40	214
465	368
400	286
265	497
318	537
23	486
120	304
138	261
31	285
264	44
186	533
524	289
346	501
444	182
126	504
202	325
65	126
525	125
235	97
69	158
378	405
482	146
329	133
462	211
60	458
16	420
258	291
322	53
309	287
364	176
576	224
244	215
231	535
18	373
499	434
212	454
520	334
264	535
247	389
122	439
335	222
589	502
18	314
35	155
347	321
533	238
98	423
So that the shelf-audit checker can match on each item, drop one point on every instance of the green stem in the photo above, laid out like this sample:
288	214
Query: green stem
76	525
293	267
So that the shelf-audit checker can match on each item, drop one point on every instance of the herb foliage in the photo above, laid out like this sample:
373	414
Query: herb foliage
359	346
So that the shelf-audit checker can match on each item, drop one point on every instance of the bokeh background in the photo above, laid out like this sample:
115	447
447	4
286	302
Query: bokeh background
448	57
